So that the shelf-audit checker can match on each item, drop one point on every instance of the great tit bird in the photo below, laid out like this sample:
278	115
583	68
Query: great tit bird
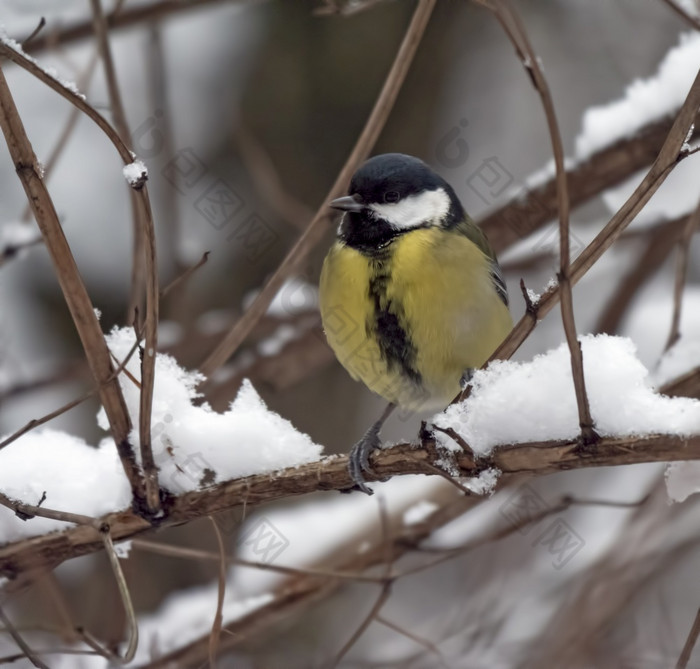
412	297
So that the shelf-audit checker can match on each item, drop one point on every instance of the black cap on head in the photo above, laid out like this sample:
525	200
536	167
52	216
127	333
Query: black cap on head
388	179
393	172
399	175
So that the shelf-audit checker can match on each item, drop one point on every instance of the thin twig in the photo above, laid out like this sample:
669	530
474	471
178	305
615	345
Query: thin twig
686	16
28	652
514	28
34	33
11	251
453	434
686	385
132	16
215	633
532	208
681	270
299	592
450	553
144	268
36	422
316	229
384	593
148	360
265	177
72	122
55	594
125	596
29	511
185	275
669	156
382	598
661	240
144	215
164	142
421	641
450	479
689	643
74	98
71	283
7	659
122	127
198	554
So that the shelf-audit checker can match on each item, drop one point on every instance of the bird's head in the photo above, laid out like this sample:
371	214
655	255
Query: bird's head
392	194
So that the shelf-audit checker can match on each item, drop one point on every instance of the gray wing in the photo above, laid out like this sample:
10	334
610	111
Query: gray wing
498	283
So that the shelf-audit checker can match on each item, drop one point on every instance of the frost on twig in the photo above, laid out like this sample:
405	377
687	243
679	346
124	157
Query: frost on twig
49	71
135	173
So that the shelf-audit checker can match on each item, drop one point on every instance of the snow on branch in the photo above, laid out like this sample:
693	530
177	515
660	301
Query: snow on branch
617	140
210	462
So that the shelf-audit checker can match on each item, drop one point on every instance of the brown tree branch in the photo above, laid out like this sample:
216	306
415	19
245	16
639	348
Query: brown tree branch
198	554
148	359
536	458
428	645
372	614
670	155
384	593
23	646
603	588
184	276
316	229
661	241
266	180
296	594
519	218
73	288
132	625
689	643
687	385
604	169
144	268
26	512
693	21
158	78
146	495
132	16
504	227
75	99
122	127
36	422
215	633
514	28
56	152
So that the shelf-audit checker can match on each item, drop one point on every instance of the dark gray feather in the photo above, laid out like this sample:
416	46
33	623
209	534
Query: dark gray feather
498	282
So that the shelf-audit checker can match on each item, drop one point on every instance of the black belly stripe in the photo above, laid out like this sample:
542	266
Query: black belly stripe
395	345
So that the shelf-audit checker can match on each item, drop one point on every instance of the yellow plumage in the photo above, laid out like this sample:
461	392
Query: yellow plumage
438	285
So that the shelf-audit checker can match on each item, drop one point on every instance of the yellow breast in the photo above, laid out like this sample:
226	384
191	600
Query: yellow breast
438	286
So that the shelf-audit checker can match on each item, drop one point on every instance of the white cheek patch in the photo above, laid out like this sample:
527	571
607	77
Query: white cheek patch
430	206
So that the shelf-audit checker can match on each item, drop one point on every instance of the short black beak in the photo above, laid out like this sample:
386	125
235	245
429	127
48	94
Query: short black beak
347	203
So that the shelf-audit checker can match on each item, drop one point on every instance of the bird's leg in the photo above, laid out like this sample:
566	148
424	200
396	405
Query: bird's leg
360	452
466	378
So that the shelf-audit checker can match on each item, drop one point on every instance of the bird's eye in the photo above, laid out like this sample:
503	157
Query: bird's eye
391	197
